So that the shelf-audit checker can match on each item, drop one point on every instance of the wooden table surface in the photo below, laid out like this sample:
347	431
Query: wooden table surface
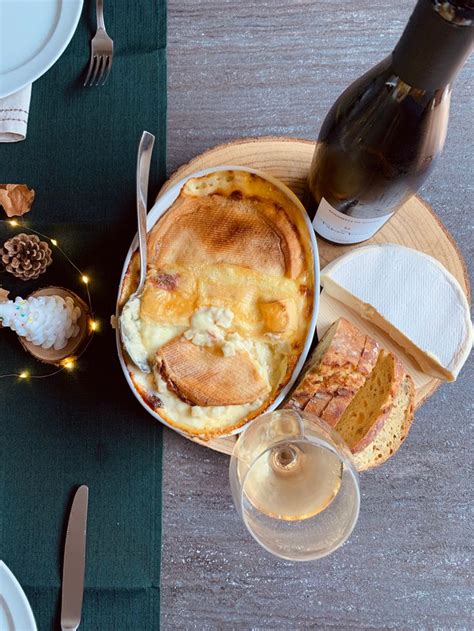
252	68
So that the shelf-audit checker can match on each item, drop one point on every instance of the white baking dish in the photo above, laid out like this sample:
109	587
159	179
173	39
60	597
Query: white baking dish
161	205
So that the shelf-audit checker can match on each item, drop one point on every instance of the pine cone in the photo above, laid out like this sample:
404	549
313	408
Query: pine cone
25	256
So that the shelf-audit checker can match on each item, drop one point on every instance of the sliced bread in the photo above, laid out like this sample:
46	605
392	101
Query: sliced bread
361	390
370	408
394	430
336	371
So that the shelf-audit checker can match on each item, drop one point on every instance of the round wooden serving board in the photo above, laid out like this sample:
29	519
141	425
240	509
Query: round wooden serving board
415	225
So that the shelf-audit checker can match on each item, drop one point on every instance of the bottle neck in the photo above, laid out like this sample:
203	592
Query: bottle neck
434	45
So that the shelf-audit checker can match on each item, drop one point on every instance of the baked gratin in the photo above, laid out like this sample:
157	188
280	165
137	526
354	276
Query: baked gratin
227	303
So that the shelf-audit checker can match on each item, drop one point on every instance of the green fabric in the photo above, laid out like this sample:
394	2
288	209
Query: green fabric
86	427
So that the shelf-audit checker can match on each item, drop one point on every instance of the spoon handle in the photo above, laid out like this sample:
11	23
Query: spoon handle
145	150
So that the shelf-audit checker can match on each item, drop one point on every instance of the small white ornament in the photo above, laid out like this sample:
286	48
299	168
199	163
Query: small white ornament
46	321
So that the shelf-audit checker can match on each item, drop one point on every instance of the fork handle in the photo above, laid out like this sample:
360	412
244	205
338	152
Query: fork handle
99	11
143	174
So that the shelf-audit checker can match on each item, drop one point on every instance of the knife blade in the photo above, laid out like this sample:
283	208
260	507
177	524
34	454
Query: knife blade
74	562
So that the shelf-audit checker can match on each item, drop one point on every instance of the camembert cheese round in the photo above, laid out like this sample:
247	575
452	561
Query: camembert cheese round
412	298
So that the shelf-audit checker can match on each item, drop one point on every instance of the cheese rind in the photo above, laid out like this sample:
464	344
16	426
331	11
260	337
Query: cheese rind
411	297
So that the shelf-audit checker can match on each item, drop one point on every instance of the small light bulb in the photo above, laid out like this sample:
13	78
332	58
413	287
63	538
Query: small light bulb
68	363
13	222
24	375
93	325
54	242
85	279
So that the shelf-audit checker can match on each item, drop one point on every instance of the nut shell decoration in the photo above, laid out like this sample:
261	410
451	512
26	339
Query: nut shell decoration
16	199
26	256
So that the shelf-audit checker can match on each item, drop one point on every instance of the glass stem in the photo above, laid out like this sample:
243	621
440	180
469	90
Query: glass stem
285	458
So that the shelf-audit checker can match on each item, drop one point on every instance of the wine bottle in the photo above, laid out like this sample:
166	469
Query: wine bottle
381	137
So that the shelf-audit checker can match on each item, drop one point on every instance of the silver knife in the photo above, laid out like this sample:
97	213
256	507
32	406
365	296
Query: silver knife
74	563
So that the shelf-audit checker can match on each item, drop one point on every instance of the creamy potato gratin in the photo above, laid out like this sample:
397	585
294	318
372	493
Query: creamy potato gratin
226	306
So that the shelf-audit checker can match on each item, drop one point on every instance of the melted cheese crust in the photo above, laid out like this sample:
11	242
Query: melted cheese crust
245	292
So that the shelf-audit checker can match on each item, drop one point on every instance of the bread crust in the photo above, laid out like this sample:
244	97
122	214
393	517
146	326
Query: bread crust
330	384
363	461
396	383
334	377
410	412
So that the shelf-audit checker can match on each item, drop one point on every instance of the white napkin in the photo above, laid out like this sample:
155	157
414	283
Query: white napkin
14	111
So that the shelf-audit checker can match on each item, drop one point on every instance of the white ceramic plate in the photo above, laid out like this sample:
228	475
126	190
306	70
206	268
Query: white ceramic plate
33	35
15	610
161	206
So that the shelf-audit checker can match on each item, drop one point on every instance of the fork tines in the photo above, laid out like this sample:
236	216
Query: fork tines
102	51
99	68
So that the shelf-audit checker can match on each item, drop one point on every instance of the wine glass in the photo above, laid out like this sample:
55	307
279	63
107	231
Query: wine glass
295	485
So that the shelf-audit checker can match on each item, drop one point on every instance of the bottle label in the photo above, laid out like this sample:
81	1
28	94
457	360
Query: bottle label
339	228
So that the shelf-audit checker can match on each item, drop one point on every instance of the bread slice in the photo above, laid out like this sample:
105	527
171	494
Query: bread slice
370	408
394	430
205	377
361	390
338	368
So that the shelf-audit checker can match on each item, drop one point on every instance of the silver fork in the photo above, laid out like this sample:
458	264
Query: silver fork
102	51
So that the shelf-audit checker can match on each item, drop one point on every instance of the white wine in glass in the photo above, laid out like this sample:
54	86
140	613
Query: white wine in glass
295	485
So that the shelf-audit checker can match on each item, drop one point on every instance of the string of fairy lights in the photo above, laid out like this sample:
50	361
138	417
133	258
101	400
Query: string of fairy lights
68	363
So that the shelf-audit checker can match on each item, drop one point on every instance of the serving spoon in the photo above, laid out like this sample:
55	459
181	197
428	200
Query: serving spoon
130	316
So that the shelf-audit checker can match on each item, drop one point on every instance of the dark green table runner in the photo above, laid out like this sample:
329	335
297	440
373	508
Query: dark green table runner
85	427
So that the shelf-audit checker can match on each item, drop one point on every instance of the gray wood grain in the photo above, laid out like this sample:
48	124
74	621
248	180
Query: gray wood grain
240	69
